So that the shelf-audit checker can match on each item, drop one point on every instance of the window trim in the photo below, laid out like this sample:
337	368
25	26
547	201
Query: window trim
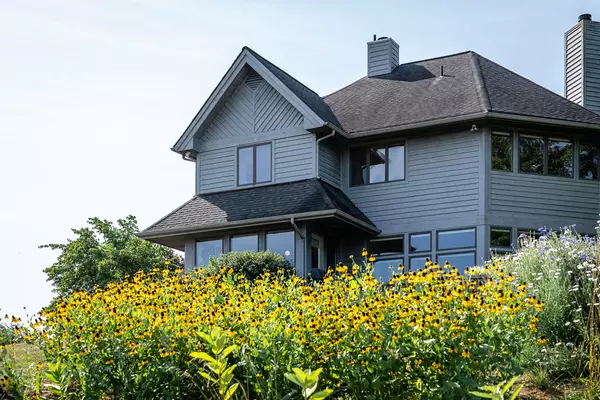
237	167
457	249
367	150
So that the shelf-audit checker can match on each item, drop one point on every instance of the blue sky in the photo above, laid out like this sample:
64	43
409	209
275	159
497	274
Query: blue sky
94	93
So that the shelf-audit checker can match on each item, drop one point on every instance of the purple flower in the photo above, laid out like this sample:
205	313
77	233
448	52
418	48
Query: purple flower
543	230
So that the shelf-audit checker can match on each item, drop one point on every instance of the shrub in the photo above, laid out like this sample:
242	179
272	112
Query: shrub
428	334
562	270
250	264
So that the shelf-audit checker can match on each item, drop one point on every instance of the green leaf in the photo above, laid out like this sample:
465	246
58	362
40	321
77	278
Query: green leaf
516	393
300	374
207	377
228	350
203	356
323	394
293	378
231	391
310	386
483	395
509	384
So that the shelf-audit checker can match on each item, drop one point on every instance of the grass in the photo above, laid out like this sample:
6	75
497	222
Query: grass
26	357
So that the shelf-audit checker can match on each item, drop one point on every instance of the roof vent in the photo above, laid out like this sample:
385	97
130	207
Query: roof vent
382	56
587	17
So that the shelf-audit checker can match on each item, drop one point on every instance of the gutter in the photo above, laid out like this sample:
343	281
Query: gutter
317	156
260	221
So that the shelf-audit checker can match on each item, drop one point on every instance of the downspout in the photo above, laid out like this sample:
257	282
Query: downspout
317	156
296	228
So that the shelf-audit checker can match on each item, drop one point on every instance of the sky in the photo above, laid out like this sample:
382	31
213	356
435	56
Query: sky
93	94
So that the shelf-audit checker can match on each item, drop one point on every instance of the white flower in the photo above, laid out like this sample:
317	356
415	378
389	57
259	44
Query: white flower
567	323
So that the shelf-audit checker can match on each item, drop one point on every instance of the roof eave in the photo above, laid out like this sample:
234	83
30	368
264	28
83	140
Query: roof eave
260	221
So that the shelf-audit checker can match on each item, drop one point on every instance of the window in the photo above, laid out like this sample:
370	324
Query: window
244	243
531	154
560	157
420	242
588	161
502	151
254	164
389	253
281	243
376	164
500	237
206	249
459	260
417	262
458	239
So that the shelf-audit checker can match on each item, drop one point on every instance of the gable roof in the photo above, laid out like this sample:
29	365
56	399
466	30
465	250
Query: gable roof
471	85
314	109
273	203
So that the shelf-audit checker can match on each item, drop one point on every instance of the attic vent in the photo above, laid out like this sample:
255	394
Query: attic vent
254	80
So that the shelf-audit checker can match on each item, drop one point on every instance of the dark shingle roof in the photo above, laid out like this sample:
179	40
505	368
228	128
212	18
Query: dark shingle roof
308	96
222	208
415	92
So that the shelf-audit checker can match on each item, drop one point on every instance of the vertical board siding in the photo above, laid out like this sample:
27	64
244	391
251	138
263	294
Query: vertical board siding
550	198
253	107
442	182
329	163
294	158
592	65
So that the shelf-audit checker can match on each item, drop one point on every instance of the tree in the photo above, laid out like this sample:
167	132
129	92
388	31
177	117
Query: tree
104	253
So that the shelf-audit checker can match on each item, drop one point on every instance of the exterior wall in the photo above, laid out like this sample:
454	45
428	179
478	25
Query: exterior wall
254	113
574	64
592	65
382	56
441	189
329	163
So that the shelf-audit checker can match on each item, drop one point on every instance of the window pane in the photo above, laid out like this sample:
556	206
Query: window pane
588	161
500	237
387	246
263	163
456	239
281	243
460	261
382	270
418	262
245	165
358	167
396	163
502	151
560	157
207	248
244	243
377	165
420	242
531	154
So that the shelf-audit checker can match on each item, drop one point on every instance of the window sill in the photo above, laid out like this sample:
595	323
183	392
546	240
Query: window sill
377	183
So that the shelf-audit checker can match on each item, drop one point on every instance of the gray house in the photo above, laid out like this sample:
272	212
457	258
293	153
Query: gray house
446	158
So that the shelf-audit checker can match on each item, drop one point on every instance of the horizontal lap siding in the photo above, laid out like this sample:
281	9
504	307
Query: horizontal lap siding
592	66
574	65
329	163
217	169
550	198
294	158
442	182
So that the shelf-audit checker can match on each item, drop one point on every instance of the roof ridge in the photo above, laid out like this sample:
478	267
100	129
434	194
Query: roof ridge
438	57
482	92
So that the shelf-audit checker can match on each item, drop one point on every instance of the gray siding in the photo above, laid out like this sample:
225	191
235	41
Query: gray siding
382	56
292	158
592	65
253	107
441	189
532	201
329	163
582	64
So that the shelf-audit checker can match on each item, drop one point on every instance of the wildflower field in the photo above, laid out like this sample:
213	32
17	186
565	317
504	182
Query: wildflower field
427	334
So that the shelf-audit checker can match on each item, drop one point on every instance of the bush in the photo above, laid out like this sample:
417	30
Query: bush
250	264
428	334
562	270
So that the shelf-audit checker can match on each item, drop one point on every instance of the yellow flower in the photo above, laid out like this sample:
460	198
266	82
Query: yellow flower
364	252
372	258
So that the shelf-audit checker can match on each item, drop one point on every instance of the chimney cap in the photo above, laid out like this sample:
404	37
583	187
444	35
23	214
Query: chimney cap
585	17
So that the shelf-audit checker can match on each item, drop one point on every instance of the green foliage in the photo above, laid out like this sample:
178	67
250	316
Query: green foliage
308	381
218	364
499	391
103	252
562	270
250	264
